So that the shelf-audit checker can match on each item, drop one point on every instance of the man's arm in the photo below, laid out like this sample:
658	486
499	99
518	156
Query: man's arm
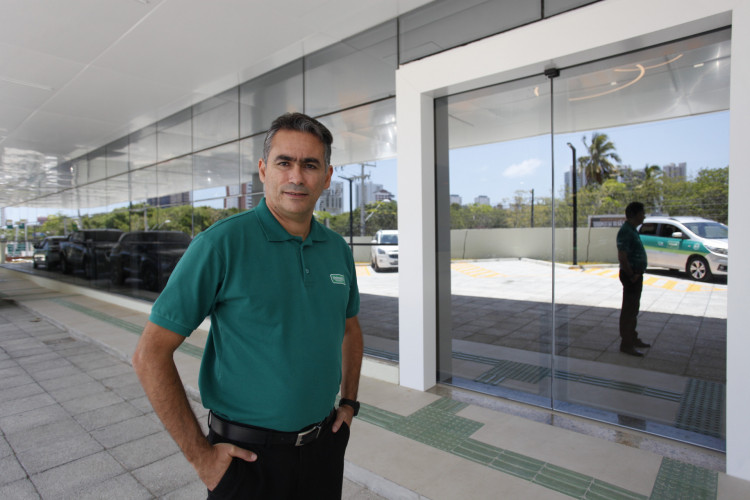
351	351
625	268
154	364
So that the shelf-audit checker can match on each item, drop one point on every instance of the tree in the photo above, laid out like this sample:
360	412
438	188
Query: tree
597	166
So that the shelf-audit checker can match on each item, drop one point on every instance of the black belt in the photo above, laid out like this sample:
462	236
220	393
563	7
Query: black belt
254	435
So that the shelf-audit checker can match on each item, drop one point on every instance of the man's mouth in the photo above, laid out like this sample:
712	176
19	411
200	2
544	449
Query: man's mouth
295	194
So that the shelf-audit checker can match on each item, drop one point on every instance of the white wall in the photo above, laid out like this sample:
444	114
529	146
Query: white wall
612	27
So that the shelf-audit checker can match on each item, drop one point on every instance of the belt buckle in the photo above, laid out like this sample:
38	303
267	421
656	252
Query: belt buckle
302	437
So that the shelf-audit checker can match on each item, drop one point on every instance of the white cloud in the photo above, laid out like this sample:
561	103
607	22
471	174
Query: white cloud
523	169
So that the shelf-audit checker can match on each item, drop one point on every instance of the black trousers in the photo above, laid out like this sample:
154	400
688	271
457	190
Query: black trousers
285	472
631	306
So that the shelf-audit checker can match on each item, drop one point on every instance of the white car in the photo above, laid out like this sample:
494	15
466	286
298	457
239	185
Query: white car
384	250
695	245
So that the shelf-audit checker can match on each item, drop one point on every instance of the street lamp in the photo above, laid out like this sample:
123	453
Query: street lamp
351	221
575	207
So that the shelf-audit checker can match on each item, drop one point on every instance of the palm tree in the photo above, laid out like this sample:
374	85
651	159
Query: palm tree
597	166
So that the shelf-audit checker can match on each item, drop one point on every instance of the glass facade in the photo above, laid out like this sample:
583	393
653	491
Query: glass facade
530	312
504	206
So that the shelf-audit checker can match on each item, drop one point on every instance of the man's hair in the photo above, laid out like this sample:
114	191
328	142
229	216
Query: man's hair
300	123
633	209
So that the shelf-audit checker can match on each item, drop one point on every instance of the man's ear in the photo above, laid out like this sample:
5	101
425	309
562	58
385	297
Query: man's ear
328	177
262	170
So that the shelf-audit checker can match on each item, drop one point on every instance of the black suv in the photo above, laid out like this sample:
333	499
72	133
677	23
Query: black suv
150	256
87	249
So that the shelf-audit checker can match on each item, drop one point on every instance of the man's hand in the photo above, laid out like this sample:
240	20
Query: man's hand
344	413
635	277
215	464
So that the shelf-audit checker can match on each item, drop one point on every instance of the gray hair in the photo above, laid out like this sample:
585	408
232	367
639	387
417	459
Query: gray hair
301	123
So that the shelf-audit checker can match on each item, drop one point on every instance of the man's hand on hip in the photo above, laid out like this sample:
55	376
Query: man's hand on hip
344	413
213	467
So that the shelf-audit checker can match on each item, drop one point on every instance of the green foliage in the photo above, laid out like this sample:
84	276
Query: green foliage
597	166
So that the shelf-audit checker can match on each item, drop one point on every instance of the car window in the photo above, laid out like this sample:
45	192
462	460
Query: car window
389	238
648	228
666	230
712	230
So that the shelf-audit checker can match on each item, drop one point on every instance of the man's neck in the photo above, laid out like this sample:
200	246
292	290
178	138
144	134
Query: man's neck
300	228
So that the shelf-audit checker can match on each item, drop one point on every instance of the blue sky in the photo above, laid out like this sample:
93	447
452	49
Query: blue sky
499	170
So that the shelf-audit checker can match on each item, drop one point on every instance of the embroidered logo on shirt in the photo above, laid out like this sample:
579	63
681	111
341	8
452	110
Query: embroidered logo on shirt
338	279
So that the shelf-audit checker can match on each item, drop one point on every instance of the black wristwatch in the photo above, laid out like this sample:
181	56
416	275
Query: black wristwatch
350	402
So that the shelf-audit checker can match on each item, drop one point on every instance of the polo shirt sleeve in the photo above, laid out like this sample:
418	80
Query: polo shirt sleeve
191	291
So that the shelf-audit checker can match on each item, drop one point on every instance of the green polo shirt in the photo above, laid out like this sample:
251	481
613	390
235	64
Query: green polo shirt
629	241
278	307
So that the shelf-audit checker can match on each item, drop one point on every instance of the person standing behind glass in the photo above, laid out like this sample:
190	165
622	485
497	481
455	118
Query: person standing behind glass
633	261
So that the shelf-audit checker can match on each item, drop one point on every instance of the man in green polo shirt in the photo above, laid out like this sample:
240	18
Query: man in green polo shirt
281	292
633	260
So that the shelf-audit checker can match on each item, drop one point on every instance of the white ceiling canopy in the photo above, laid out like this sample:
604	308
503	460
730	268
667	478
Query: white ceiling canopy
78	74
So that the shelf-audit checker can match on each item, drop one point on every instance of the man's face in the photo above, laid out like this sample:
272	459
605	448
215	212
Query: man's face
639	218
295	175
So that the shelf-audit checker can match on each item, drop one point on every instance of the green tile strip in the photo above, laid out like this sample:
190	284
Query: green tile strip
185	347
702	407
524	372
439	426
678	481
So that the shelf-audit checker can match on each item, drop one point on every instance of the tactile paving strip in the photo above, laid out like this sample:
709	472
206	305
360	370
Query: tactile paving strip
702	408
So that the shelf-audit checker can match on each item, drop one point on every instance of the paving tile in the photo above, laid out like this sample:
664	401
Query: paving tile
57	453
128	430
20	405
197	491
92	402
75	478
107	415
141	452
117	488
19	490
10	470
45	435
166	475
20	391
32	418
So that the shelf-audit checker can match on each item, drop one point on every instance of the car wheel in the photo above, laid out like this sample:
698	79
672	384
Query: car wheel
698	269
36	265
65	266
150	278
376	267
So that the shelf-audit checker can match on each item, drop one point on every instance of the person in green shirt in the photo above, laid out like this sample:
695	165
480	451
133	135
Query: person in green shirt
633	261
281	292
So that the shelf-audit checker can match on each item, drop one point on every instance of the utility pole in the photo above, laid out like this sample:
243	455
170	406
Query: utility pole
362	178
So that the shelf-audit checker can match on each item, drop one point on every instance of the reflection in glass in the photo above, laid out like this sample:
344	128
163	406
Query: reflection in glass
269	96
359	69
215	120
174	135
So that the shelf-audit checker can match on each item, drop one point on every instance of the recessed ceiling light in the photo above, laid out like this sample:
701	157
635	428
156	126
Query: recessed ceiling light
699	65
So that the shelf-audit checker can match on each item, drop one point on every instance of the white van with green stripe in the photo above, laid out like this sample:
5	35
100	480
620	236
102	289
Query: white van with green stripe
695	245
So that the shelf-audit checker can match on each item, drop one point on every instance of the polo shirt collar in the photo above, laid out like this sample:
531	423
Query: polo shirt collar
274	231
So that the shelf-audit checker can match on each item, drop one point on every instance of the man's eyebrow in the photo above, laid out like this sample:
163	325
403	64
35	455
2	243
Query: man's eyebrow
311	159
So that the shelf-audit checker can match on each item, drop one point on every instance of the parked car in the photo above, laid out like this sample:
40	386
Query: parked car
695	245
384	251
87	250
150	256
47	252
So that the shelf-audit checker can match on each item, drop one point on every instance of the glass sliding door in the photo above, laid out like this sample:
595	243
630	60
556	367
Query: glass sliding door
651	126
494	198
533	177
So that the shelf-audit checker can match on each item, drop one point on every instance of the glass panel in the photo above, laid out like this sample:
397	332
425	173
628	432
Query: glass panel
445	24
215	120
143	147
216	172
175	182
269	96
651	127
495	240
175	135
117	157
79	169
360	204
363	134
355	71
552	7
251	189
97	165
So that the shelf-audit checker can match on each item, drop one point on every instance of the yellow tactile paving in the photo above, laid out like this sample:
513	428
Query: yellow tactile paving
363	270
474	271
657	281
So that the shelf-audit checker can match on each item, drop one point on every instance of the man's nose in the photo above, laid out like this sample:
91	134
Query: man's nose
295	173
